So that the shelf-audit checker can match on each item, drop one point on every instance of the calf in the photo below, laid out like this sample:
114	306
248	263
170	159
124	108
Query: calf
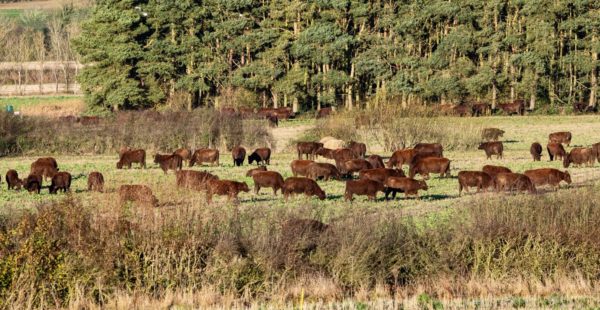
349	167
95	181
491	134
364	187
359	149
478	179
200	156
434	148
429	165
408	186
536	151
239	155
252	171
308	148
563	137
33	183
130	157
12	179
376	161
300	167
579	156
556	150
401	157
513	182
45	166
191	179
168	162
492	148
380	174
228	188
61	181
138	194
304	186
548	176
270	179
494	170
323	170
260	156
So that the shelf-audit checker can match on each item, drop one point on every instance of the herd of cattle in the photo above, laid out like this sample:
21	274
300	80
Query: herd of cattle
373	175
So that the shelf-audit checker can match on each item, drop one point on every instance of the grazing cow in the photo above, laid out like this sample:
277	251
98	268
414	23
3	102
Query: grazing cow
138	194
169	162
596	151
239	155
12	179
579	156
556	150
304	186
300	167
376	161
494	170
324	112
96	182
130	157
325	153
478	179
359	149
516	107
323	170
191	179
480	109
491	134
270	179
492	148
408	186
380	174
201	156
363	187
349	167
536	151
61	181
434	148
401	157
228	188
33	183
262	156
252	171
429	165
309	149
548	176
514	182
45	166
184	153
562	137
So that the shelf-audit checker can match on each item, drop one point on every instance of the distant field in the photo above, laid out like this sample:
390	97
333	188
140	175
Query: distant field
18	7
51	106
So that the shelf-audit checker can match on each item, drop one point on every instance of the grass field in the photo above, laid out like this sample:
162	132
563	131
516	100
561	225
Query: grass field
51	106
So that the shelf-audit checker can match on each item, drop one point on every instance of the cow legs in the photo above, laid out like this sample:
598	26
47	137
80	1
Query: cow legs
256	188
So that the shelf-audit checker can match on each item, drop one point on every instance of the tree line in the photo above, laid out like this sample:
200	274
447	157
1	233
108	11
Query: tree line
344	53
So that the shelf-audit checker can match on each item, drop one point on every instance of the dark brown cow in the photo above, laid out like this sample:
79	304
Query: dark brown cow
429	165
376	161
401	157
323	170
239	155
491	134
480	109
562	137
548	176
169	162
228	188
201	156
324	112
363	187
191	179
304	186
96	182
33	183
251	172
138	194
308	148
325	153
536	151
584	107
184	153
494	170
492	148
262	156
359	149
61	181
478	179
380	174
434	148
130	157
12	179
579	156
556	150
596	151
45	166
300	167
516	107
270	179
349	167
408	186
514	182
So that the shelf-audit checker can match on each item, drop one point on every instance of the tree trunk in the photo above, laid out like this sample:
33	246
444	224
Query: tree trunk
594	76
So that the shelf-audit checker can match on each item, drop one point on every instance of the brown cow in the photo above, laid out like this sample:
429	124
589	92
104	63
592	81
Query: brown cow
252	171
516	107
492	148
228	188
364	187
300	167
349	167
359	149
401	157
376	161
184	153
408	186
556	150
45	166
262	156
61	181
536	151
325	153
380	174
562	137
324	112
132	156
480	109
461	110
323	170
168	162
308	148
201	156
548	176
270	179
95	181
191	179
429	165
239	155
491	134
513	182
138	194
304	186
12	179
478	179
434	148
579	156
273	120
596	151
33	183
494	170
